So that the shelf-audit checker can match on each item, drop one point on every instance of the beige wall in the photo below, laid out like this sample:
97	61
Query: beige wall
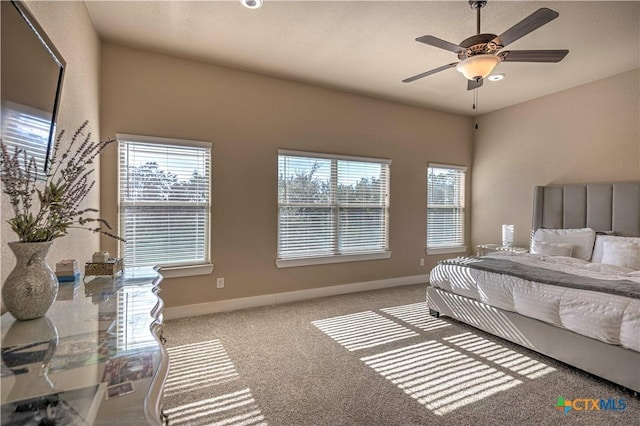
69	27
248	117
590	133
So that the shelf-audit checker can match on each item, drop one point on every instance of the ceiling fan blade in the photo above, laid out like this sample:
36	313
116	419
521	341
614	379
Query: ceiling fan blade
433	71
474	84
533	55
530	23
442	44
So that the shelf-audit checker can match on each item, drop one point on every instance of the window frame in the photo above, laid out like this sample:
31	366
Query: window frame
171	270
334	206
452	247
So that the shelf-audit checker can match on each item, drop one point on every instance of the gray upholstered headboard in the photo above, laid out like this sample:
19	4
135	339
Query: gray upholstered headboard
601	206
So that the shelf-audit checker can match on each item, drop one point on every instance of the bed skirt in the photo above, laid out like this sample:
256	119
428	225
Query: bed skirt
611	362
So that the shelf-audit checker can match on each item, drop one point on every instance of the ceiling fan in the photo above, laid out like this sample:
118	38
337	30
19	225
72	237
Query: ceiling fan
480	54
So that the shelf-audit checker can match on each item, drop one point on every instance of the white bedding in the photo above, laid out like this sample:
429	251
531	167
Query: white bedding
609	318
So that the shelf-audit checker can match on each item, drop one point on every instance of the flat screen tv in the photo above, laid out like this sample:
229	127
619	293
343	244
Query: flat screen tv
31	81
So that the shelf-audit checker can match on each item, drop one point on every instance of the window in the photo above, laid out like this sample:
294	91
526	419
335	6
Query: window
164	201
445	209
331	208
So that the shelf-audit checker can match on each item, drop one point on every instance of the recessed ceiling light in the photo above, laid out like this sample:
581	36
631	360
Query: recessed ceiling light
251	4
495	77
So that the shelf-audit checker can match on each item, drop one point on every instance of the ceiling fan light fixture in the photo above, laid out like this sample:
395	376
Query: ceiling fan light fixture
251	4
478	66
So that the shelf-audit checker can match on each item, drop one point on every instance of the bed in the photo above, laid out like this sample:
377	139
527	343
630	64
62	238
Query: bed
573	299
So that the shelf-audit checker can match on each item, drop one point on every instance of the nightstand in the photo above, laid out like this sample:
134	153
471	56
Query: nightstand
484	249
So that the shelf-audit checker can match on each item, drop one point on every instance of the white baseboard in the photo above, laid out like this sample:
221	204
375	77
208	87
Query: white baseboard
291	296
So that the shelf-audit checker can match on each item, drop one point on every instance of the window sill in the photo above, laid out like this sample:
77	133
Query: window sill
185	271
290	263
447	250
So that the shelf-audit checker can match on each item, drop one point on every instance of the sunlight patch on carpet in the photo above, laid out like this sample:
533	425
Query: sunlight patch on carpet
505	357
363	330
232	409
439	377
416	314
198	365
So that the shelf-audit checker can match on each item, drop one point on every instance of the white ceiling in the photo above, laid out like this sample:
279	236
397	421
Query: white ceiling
369	47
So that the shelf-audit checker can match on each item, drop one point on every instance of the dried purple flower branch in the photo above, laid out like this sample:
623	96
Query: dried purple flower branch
60	196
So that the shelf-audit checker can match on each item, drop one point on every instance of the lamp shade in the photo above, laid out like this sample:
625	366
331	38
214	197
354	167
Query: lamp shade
478	66
507	235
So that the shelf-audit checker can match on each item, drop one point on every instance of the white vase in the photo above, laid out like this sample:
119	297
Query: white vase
32	286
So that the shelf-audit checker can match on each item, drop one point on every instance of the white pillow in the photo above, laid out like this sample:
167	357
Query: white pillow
581	239
563	260
609	269
552	249
598	249
623	254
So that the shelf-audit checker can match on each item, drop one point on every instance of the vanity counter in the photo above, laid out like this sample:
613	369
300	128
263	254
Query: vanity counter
96	357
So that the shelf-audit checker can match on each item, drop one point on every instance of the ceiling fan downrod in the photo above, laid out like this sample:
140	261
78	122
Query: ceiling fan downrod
477	5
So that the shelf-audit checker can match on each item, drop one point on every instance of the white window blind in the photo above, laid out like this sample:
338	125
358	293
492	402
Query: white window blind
164	201
445	206
331	205
27	129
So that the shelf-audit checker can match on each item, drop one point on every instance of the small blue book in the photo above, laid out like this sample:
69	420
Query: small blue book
68	278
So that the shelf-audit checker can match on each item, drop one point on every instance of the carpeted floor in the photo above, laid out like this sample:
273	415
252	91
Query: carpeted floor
371	358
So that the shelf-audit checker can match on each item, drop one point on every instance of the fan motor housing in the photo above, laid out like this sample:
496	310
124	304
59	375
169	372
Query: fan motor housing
477	45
